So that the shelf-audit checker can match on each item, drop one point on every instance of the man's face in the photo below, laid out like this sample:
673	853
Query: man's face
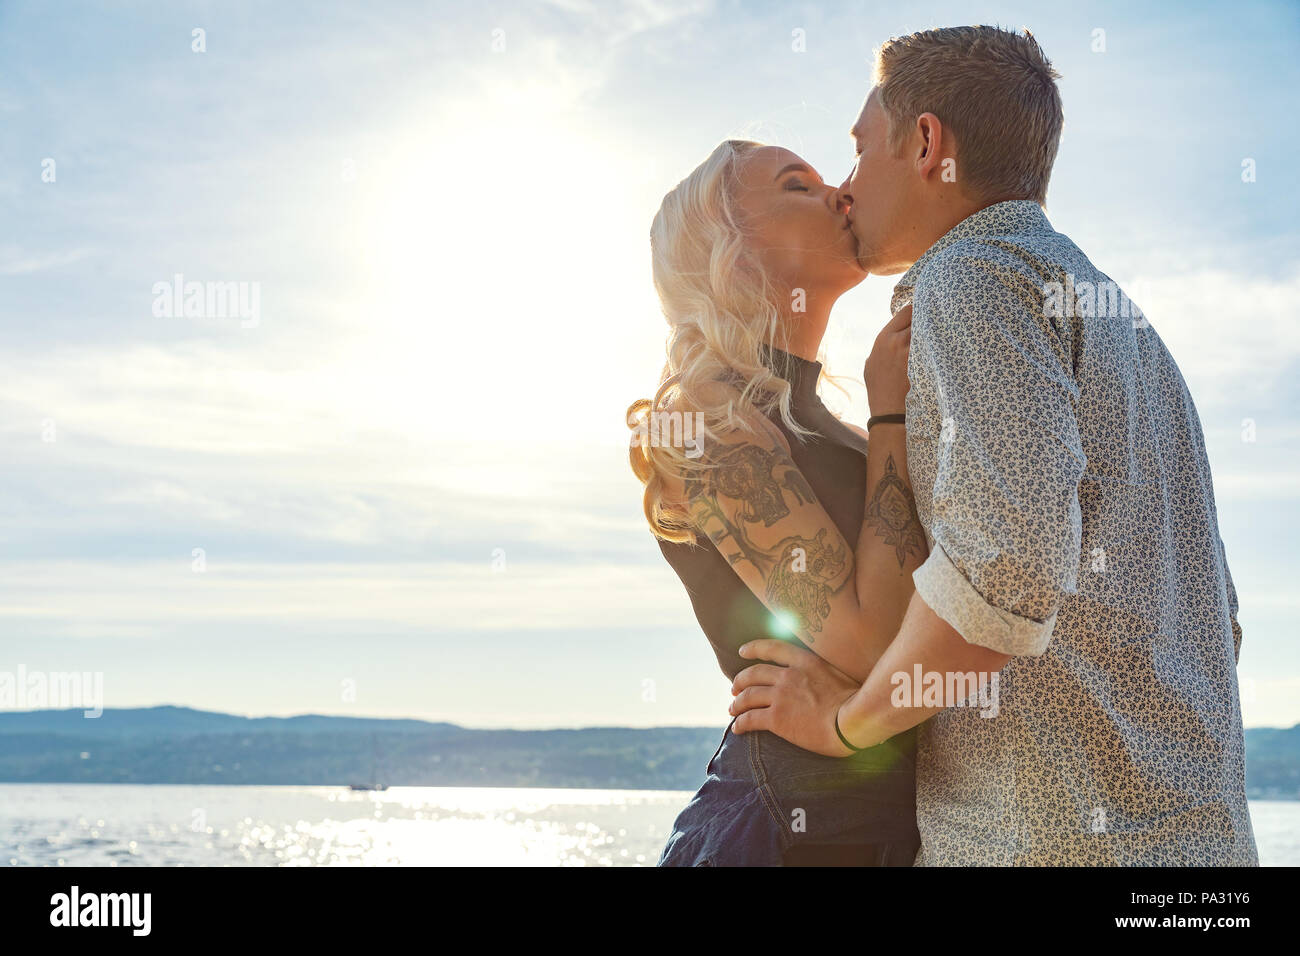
881	185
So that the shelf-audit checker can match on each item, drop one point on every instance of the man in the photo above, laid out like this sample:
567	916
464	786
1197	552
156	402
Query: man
1073	634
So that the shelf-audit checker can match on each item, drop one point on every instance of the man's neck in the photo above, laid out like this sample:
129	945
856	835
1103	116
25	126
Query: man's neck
943	218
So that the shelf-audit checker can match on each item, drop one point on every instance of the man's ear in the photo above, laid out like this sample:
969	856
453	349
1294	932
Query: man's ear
930	144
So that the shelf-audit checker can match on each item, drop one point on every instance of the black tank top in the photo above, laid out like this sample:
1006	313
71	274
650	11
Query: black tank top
834	462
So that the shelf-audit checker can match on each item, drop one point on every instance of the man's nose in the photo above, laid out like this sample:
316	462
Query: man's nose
843	198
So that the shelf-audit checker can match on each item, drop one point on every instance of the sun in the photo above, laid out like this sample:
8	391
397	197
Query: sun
504	260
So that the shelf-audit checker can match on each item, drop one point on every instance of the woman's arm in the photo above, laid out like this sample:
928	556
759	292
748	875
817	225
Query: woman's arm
761	514
892	542
898	543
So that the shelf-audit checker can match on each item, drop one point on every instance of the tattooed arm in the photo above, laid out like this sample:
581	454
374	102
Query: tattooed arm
762	515
892	543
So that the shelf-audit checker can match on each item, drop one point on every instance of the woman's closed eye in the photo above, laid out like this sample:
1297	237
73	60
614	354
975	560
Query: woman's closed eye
795	186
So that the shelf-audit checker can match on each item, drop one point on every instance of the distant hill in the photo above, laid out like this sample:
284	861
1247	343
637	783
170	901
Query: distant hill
186	722
1273	763
181	745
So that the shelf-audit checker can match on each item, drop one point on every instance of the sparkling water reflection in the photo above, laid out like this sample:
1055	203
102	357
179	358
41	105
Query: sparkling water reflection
163	825
121	825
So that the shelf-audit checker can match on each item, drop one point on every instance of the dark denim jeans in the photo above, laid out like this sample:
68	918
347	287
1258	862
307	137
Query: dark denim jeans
767	802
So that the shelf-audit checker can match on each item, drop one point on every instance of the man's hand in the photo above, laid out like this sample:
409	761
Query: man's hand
796	696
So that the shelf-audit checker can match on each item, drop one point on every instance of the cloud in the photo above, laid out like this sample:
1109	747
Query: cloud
148	598
450	338
14	262
1234	335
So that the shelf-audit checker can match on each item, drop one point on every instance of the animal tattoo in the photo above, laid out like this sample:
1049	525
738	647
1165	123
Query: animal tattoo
808	572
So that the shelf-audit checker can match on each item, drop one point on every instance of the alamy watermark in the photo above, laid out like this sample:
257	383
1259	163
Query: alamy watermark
128	910
665	429
946	689
178	299
1085	298
58	690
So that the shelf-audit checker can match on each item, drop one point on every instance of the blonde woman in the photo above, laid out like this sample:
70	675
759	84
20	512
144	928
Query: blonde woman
780	519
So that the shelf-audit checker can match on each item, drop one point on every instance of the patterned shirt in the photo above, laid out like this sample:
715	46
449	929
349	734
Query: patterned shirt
1060	472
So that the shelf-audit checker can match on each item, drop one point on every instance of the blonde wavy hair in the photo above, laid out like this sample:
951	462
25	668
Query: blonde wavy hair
721	308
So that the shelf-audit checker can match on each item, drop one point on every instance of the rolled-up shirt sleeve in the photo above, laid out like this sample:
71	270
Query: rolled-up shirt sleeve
1005	518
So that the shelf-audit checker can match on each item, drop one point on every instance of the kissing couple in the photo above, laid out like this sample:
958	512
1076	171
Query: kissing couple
996	626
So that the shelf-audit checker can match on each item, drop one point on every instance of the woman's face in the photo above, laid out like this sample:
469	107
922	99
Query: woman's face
796	224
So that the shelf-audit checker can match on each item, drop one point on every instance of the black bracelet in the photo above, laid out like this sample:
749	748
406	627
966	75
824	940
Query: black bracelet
898	419
840	734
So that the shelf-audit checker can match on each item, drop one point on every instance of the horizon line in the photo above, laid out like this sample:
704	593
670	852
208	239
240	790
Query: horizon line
420	720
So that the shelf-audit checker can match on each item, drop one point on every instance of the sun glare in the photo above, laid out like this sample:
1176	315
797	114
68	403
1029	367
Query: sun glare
473	311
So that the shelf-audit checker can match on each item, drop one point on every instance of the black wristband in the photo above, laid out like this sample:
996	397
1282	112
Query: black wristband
839	733
898	419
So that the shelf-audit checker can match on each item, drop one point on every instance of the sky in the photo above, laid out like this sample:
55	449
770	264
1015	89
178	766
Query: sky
395	483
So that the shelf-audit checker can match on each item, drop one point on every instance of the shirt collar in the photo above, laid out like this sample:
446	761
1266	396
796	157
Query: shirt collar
801	373
1012	217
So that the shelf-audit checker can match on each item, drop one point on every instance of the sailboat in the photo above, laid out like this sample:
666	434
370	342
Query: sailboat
374	783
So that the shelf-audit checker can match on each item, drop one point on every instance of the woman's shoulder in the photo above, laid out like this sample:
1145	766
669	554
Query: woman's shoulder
738	426
715	440
858	429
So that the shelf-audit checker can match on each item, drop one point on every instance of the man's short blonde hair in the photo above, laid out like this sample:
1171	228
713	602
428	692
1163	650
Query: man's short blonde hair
994	89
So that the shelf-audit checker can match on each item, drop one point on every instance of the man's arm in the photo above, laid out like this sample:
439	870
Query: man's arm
871	717
1005	515
798	697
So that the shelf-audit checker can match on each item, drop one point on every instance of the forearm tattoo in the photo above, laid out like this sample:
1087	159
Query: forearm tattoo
891	513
